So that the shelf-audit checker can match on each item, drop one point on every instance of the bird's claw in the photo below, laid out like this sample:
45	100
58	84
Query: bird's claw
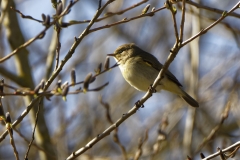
152	90
138	104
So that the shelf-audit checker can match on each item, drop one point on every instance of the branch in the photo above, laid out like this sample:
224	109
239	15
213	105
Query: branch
211	9
34	128
20	118
18	80
173	10
224	15
40	35
75	44
115	136
107	15
125	20
33	144
224	116
71	51
182	21
232	148
26	16
38	89
140	144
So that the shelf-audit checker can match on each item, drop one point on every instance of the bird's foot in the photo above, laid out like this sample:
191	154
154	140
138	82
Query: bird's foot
151	89
138	104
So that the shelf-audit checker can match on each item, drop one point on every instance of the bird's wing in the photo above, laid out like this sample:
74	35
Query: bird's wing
151	60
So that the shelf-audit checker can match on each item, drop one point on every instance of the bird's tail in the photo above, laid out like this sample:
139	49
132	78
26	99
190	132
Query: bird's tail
192	102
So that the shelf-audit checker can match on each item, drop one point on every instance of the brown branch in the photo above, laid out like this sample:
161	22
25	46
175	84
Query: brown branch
224	15
30	41
10	75
27	91
33	144
40	35
107	15
13	145
173	10
224	116
140	144
162	135
29	107
182	21
75	44
211	9
25	16
213	131
58	47
115	135
125	20
20	118
33	134
233	147
10	131
125	10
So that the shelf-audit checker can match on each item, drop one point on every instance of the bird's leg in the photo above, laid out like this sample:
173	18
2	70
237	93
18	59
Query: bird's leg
150	88
138	104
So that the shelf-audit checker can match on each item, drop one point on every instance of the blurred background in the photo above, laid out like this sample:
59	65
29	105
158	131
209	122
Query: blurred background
207	67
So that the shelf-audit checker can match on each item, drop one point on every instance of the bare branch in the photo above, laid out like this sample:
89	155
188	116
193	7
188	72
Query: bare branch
225	14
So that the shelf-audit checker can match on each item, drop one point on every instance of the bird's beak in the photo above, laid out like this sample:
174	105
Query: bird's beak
112	55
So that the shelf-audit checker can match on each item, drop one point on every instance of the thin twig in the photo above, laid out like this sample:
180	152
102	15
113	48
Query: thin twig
40	35
70	53
2	114
33	144
99	4
125	20
230	148
175	25
30	41
215	129
35	125
10	131
169	5
182	21
58	47
211	9
224	116
13	145
162	135
115	135
85	33
26	111
107	107
107	15
26	16
28	91
75	44
211	26
20	118
140	144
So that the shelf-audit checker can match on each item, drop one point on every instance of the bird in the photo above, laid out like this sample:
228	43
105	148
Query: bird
140	68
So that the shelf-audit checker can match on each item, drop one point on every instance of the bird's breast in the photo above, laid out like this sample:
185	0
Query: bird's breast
138	75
